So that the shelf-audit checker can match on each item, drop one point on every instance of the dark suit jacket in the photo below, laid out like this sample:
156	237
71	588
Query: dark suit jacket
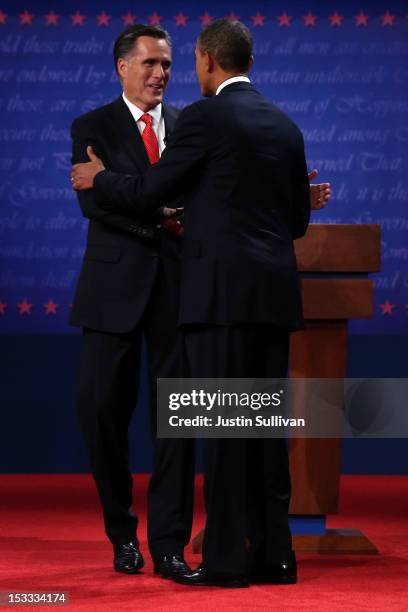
121	258
239	163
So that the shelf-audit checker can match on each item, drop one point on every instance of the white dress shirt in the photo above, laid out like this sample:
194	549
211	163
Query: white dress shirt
236	79
157	123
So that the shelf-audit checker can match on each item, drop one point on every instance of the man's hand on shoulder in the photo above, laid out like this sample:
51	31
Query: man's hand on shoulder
82	175
320	193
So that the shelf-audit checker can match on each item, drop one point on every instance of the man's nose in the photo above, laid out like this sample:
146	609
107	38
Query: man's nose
158	72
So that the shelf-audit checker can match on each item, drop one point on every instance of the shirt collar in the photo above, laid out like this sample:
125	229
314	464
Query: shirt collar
235	79
155	112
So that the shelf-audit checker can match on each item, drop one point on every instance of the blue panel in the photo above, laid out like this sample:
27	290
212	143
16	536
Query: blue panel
308	525
39	431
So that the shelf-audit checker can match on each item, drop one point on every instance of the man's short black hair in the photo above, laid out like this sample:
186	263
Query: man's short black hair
125	43
230	44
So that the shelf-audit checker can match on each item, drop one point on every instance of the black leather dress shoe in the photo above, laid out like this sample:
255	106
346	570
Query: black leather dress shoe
127	558
171	566
202	577
284	572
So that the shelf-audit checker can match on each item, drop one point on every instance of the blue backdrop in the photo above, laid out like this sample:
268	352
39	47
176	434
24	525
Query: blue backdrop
338	69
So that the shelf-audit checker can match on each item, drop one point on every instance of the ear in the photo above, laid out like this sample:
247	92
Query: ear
251	62
122	66
209	62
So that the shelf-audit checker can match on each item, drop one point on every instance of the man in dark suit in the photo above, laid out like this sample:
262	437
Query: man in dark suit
239	163
127	291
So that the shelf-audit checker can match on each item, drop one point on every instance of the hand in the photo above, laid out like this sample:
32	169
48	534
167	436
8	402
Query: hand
174	226
171	222
82	175
170	212
320	193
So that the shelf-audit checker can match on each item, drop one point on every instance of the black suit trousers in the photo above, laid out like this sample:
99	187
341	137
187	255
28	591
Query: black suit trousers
247	482
108	387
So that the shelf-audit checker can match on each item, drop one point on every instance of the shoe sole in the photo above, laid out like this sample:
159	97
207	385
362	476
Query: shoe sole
166	576
136	570
162	575
228	585
277	582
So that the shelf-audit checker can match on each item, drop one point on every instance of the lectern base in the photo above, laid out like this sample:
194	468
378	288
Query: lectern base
335	541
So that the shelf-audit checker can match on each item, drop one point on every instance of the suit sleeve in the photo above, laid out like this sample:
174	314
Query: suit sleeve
82	136
301	196
166	180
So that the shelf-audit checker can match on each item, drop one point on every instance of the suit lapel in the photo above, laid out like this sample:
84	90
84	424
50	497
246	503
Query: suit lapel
169	115
128	134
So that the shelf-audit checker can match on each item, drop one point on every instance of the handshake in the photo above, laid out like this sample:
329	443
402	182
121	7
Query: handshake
173	220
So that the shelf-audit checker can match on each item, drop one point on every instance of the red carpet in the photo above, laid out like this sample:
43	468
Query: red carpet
52	540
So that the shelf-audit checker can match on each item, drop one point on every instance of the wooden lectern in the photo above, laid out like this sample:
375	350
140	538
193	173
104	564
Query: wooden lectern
334	261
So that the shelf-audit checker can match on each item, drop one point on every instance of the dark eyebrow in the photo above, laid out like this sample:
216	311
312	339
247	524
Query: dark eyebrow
149	60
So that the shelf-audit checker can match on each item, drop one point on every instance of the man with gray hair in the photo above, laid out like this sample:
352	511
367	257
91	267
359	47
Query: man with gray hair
127	295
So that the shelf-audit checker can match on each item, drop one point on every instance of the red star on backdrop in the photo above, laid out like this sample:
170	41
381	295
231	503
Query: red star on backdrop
336	19
3	17
387	308
129	19
155	19
309	20
3	307
25	307
50	307
77	19
284	20
233	17
103	19
180	19
258	19
206	19
387	19
26	18
361	19
51	18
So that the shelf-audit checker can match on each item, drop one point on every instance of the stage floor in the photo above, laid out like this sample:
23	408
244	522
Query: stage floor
51	539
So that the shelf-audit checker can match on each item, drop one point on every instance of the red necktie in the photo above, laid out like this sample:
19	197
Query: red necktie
152	149
150	139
